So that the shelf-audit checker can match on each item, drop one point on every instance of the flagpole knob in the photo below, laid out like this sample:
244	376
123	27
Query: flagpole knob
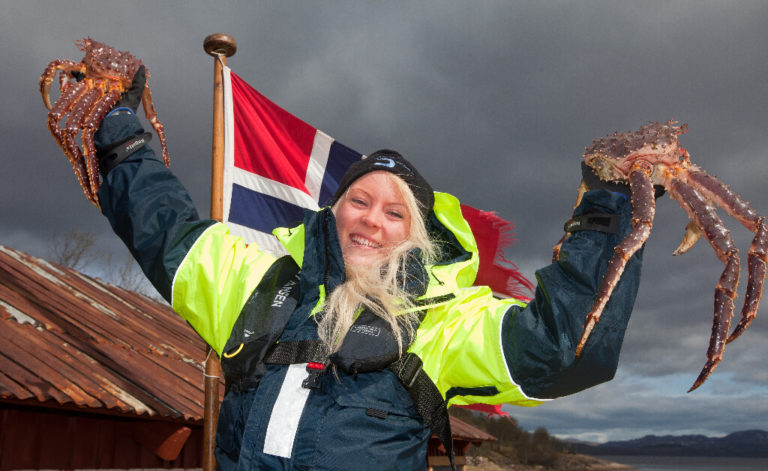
220	44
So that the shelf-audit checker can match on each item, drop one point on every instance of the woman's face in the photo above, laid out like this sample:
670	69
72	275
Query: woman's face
371	218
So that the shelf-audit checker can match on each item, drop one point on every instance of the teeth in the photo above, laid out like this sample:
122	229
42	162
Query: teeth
365	242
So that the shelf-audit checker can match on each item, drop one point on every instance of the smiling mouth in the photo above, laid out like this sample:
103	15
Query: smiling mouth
363	242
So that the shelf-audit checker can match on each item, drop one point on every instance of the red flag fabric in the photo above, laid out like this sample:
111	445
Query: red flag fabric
495	234
490	409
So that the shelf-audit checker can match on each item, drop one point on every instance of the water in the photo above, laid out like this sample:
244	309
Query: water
690	463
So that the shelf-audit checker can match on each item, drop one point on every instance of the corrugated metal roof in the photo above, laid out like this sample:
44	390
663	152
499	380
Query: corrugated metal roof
78	341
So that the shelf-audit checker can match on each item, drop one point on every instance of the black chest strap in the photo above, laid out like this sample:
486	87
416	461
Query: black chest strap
426	397
297	351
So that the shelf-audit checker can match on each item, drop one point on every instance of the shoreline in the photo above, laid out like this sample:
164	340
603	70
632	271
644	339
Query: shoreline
567	462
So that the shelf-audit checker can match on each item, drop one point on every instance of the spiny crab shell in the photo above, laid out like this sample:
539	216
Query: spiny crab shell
612	157
105	62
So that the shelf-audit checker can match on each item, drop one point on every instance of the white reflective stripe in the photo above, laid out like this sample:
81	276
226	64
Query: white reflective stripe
286	413
318	159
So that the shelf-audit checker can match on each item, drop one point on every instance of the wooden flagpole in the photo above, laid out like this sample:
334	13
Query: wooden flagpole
220	46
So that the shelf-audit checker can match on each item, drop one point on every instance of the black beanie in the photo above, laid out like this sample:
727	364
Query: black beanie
393	162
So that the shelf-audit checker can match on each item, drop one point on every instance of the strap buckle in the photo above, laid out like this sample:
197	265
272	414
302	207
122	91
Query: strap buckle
409	369
315	370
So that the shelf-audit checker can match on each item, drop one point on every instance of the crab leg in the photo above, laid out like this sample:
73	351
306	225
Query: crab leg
756	266
643	211
65	80
92	121
74	121
61	108
719	238
556	249
151	114
757	256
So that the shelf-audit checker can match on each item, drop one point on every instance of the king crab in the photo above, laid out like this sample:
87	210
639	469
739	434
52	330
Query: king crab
652	156
106	74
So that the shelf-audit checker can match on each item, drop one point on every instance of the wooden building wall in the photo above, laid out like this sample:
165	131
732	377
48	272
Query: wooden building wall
42	438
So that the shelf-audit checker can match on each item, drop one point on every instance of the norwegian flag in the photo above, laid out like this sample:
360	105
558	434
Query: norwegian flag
275	165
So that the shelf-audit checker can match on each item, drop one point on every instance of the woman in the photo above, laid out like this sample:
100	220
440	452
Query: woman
342	354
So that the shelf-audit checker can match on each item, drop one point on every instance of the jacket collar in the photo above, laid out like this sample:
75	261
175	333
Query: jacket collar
456	267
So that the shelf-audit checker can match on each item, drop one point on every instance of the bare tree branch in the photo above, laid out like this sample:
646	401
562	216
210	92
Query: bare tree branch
76	250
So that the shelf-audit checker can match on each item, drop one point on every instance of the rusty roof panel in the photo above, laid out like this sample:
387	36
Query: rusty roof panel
463	431
75	340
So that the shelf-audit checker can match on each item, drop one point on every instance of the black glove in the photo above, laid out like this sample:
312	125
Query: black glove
132	97
594	182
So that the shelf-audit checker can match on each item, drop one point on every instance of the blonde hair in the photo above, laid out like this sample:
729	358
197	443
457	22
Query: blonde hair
379	288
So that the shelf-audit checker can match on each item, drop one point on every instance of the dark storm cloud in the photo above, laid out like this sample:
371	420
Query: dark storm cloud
508	93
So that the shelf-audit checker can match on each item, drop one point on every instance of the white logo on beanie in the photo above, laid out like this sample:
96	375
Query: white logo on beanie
385	162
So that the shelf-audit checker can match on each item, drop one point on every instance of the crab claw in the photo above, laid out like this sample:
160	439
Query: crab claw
45	86
692	235
46	79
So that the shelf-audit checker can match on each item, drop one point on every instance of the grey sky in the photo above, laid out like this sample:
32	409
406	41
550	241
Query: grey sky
494	101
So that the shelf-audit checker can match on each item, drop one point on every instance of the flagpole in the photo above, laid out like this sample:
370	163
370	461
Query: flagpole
220	46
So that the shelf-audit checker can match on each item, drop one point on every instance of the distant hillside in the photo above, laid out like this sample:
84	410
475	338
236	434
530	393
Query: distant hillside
747	443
